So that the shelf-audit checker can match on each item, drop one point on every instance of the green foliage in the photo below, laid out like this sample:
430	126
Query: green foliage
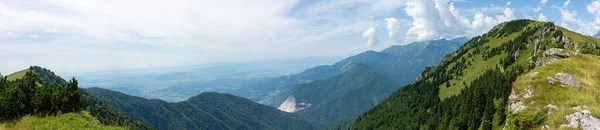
205	111
23	96
525	120
109	115
342	124
482	103
346	95
39	92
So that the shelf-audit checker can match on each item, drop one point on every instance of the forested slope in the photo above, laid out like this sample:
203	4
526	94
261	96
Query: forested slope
470	88
208	110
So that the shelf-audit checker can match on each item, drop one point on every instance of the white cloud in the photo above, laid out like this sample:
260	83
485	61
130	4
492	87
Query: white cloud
542	17
566	3
508	3
507	16
569	19
393	28
543	2
594	8
369	34
237	30
438	19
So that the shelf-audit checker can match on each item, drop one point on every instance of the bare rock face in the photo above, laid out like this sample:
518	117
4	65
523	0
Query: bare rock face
289	105
582	119
556	51
565	80
549	56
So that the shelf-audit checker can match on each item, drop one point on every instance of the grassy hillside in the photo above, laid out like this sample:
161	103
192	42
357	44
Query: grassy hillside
17	74
68	121
555	100
470	88
205	111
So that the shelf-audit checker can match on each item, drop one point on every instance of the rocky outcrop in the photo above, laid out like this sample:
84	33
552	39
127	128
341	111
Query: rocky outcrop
565	80
557	52
549	56
516	100
582	119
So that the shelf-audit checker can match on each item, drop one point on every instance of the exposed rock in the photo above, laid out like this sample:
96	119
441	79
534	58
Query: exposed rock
551	80
556	51
517	106
565	80
528	92
289	105
582	119
550	107
516	103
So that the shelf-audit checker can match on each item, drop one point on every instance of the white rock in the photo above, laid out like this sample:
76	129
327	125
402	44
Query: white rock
582	119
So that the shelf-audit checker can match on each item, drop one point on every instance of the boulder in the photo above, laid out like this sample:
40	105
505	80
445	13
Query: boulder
565	80
582	119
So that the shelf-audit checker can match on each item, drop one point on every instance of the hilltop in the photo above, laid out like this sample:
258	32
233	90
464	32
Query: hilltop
470	88
36	98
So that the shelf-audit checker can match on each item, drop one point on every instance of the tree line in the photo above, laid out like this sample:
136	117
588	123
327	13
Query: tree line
26	96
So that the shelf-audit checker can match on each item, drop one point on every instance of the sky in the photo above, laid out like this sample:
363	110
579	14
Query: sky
94	35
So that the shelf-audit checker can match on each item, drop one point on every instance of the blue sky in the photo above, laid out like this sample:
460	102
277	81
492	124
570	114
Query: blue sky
93	35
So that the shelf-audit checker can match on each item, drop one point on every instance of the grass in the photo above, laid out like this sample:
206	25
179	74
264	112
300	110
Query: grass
17	75
477	67
69	121
586	68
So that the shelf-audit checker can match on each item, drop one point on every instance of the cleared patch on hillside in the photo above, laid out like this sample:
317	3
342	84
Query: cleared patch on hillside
17	75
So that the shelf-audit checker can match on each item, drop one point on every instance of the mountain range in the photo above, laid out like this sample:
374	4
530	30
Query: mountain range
400	63
523	74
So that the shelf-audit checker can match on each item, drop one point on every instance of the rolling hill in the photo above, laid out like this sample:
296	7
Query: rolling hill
209	110
36	98
508	78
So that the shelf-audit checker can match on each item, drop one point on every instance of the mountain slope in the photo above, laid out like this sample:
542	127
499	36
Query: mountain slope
208	110
38	91
401	63
470	88
349	94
